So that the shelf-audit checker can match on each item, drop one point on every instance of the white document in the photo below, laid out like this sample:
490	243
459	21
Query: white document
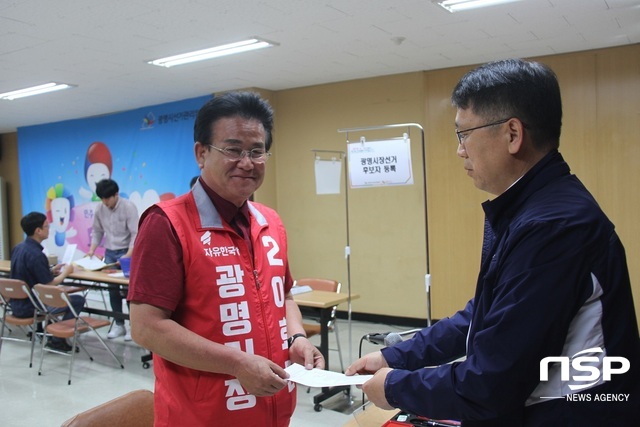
320	378
69	252
328	176
90	263
300	289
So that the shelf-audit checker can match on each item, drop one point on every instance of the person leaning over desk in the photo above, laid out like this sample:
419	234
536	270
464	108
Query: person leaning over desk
30	264
117	218
553	281
210	283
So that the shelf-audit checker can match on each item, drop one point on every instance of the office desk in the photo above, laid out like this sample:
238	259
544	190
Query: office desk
5	267
98	280
80	279
320	304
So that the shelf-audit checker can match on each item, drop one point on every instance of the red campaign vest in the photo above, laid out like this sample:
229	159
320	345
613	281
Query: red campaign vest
225	302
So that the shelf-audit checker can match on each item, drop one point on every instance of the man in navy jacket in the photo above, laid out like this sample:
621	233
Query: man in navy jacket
550	337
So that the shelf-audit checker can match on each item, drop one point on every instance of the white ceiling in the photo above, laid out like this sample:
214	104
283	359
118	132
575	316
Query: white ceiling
101	46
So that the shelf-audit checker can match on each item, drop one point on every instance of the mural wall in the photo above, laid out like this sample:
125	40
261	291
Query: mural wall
147	151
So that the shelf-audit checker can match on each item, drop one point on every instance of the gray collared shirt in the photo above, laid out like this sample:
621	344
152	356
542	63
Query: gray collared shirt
120	225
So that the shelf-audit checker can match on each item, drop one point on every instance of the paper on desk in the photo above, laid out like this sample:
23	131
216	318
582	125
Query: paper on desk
320	378
90	263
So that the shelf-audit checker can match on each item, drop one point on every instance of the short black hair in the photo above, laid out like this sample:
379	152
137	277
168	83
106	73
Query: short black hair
248	105
31	221
515	88
106	188
193	181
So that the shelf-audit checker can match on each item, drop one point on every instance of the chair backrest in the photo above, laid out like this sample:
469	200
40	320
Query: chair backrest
12	288
326	285
51	295
134	409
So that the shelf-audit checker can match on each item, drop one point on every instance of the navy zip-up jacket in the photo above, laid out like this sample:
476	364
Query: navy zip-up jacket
553	282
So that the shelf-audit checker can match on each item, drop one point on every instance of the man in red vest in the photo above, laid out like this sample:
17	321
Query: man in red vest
210	283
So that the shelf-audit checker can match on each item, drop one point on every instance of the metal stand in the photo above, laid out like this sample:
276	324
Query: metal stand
427	277
347	249
328	392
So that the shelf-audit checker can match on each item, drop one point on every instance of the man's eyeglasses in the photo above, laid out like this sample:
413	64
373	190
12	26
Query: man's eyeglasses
257	155
462	134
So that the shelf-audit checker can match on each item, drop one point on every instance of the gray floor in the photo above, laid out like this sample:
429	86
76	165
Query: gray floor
27	399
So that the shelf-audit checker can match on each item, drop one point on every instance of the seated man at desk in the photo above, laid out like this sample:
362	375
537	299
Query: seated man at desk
30	264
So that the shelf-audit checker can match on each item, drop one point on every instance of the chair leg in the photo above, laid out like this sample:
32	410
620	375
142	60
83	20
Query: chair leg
335	330
34	334
73	356
4	325
45	338
104	344
104	300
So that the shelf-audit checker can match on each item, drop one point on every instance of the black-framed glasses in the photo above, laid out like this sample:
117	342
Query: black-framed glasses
257	155
462	134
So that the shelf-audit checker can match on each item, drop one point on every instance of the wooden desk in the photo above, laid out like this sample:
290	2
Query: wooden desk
97	277
98	280
371	416
321	303
5	267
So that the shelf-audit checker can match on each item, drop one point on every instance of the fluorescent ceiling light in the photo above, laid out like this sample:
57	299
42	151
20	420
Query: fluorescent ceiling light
214	52
35	90
459	5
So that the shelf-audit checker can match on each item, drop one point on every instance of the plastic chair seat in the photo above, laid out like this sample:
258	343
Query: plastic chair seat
67	328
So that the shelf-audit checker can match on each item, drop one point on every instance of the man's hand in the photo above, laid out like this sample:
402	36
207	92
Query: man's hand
306	354
368	364
260	376
374	389
92	254
372	363
65	269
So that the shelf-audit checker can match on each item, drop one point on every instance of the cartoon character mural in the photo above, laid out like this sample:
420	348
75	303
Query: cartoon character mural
70	158
59	208
98	165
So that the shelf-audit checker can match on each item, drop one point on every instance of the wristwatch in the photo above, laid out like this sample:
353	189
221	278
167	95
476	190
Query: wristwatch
294	337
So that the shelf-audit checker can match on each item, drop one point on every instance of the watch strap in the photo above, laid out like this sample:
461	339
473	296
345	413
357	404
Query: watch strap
294	337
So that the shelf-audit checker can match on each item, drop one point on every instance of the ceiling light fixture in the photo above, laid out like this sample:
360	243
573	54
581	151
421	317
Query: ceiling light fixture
35	90
214	52
460	5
